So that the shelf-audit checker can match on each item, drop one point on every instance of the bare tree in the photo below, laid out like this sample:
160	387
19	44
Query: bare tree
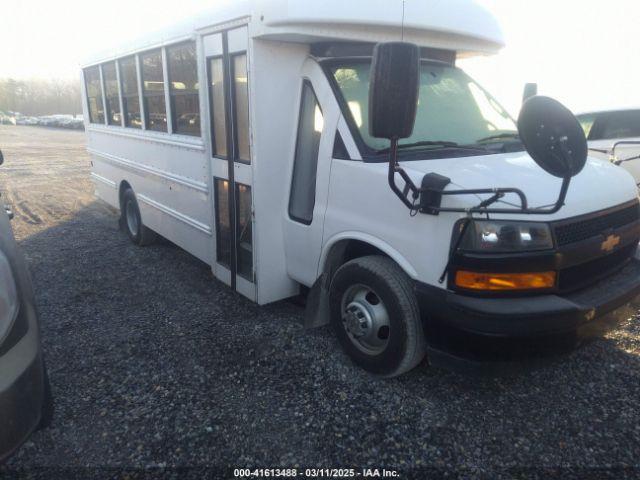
40	97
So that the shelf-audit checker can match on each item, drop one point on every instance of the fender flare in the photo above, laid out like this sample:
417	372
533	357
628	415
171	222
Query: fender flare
374	242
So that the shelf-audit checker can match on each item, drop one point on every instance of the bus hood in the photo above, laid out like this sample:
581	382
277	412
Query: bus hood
599	186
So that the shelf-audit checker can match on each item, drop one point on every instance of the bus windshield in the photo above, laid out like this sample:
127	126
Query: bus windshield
452	108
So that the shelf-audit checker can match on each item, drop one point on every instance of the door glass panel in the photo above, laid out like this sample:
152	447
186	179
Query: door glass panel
242	106
223	223
244	231
303	187
218	120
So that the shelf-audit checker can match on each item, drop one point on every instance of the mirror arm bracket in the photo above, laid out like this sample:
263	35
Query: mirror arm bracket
410	187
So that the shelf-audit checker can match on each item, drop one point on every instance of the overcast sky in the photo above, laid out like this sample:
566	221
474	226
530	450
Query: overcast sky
583	52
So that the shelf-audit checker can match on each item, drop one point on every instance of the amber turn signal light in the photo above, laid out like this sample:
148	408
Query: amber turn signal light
505	281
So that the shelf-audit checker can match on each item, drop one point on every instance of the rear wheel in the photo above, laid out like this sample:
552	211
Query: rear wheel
375	315
132	221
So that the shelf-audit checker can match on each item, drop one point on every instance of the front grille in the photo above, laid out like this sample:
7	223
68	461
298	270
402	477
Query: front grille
592	227
574	278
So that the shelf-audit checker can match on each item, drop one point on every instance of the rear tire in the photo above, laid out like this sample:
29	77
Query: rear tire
375	315
131	221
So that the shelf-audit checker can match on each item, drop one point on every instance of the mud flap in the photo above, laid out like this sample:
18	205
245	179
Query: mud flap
317	313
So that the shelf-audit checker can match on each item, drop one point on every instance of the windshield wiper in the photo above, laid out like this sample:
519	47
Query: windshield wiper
440	144
500	136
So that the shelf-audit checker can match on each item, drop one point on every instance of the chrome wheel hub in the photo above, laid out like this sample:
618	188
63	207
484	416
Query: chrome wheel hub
365	319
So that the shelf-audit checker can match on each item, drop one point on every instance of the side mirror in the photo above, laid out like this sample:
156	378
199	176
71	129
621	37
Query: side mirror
553	137
530	90
393	103
1	158
394	90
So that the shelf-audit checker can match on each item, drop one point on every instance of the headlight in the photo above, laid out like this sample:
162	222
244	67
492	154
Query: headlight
8	298
504	236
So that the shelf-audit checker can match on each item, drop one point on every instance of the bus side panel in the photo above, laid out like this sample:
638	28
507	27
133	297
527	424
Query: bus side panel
169	180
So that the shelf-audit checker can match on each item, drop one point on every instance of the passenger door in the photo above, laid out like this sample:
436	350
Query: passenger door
226	63
310	172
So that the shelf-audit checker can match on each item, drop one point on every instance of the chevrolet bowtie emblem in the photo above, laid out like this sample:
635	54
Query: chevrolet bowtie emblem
610	243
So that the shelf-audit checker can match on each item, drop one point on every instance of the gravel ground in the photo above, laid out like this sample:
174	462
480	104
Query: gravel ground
157	366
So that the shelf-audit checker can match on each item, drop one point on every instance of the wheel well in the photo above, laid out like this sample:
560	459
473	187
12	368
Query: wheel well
357	248
124	186
346	250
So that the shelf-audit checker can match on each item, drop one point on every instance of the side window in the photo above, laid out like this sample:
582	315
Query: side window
622	124
303	186
94	94
112	93
183	81
244	232
153	90
241	114
218	119
130	94
223	223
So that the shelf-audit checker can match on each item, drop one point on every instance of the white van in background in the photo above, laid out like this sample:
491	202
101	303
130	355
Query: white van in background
614	135
271	140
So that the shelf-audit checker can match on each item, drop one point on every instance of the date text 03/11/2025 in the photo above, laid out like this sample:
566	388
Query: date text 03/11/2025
315	473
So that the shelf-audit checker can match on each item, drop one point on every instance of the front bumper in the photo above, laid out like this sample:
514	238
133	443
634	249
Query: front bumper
530	316
505	335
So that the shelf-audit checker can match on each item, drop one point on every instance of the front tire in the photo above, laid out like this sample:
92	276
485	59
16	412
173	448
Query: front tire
375	315
138	233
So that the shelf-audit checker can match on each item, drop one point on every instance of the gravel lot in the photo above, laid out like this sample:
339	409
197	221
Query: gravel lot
157	366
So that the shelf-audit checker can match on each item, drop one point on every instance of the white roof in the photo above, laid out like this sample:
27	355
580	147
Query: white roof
610	110
460	25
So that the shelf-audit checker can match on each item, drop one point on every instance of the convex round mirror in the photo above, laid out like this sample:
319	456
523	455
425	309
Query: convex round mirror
553	136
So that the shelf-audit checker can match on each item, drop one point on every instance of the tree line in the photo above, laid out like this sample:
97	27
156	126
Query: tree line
40	96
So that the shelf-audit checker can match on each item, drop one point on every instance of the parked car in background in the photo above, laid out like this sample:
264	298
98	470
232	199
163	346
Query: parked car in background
614	135
25	394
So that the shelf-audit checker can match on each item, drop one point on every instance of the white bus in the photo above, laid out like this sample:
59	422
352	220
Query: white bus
244	137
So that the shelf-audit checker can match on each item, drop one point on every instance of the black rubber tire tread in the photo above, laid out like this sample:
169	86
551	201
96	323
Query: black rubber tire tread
399	298
145	236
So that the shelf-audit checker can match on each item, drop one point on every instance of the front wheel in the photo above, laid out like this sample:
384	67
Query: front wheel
375	315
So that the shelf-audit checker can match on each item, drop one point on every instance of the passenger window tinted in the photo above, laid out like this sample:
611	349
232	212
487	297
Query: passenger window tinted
223	223
130	95
303	187
153	90
183	78
624	124
94	94
112	93
244	232
216	95
241	87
